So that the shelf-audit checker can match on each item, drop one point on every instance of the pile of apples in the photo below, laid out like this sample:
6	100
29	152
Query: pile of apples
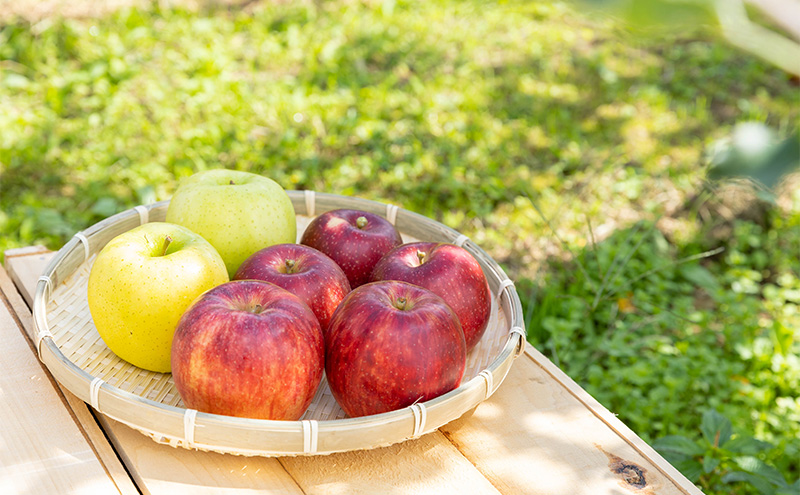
247	320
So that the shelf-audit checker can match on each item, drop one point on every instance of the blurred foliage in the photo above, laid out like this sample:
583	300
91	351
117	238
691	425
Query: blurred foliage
752	151
646	15
465	112
654	328
765	29
368	98
723	461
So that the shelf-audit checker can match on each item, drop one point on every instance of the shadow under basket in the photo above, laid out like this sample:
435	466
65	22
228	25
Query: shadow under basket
69	345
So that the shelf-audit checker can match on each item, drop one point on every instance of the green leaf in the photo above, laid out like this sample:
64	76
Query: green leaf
105	207
679	445
146	195
783	336
716	428
752	152
690	468
763	486
699	276
710	464
641	14
747	445
756	466
793	489
50	221
736	476
784	160
26	229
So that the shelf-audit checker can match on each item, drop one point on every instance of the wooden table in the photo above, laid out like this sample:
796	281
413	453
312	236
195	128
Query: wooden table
539	433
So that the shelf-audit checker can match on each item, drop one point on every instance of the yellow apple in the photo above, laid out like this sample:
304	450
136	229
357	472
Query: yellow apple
239	213
141	283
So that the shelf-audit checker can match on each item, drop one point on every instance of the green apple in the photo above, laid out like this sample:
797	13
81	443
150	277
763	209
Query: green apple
141	283
239	213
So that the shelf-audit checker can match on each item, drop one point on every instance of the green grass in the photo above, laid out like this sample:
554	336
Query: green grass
662	332
573	151
455	123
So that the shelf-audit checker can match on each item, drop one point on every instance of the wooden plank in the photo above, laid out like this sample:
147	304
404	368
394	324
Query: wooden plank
35	261
534	431
81	412
539	433
160	469
613	423
42	449
26	251
430	464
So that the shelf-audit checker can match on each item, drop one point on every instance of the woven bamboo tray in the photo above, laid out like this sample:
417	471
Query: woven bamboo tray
69	345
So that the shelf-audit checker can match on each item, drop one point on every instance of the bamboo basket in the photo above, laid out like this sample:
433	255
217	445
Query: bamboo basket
69	345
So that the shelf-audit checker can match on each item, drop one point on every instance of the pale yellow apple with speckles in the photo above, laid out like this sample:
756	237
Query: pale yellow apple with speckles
238	212
141	283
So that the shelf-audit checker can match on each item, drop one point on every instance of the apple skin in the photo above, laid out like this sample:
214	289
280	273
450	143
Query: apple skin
250	349
380	358
136	294
356	249
237	212
305	272
449	271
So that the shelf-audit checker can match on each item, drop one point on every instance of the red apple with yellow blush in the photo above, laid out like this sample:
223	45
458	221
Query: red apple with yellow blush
449	271
248	348
356	240
391	344
305	272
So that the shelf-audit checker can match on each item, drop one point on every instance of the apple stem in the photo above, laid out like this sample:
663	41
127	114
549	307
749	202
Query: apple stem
290	266
167	242
421	256
258	309
400	303
361	222
233	183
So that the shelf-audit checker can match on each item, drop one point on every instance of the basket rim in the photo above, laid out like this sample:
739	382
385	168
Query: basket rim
51	355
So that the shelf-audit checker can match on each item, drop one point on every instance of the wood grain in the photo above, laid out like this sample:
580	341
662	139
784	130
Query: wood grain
42	449
555	442
612	423
32	262
29	269
160	469
540	433
429	464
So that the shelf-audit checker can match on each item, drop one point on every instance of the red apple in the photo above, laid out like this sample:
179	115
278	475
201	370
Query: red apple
449	271
354	239
305	272
248	348
391	344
